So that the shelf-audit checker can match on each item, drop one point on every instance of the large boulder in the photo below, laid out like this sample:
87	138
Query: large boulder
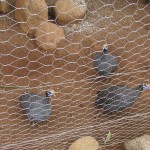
85	143
48	35
139	143
29	13
67	11
5	7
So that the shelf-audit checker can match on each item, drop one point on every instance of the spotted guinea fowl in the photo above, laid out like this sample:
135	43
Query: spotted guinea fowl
117	98
105	62
37	108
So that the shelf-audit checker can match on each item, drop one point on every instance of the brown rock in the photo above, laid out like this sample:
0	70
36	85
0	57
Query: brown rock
85	143
5	7
67	11
32	12
48	35
139	143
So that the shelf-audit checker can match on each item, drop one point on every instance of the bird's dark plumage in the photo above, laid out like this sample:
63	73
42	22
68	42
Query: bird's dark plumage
117	98
37	108
105	62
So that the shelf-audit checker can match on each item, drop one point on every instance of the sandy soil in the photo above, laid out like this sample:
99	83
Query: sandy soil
69	71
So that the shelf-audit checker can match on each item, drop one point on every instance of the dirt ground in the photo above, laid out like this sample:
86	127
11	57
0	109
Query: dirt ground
68	70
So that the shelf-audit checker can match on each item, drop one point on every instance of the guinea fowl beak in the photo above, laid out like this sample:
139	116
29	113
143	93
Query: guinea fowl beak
147	87
53	92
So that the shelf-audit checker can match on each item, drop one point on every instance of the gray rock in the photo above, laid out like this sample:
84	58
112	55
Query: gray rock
37	108
105	63
117	98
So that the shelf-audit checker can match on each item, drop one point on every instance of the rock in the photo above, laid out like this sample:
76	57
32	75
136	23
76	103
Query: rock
32	12
48	35
139	143
4	7
67	11
85	143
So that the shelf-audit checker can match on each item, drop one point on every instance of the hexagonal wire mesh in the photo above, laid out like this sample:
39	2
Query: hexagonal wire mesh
69	71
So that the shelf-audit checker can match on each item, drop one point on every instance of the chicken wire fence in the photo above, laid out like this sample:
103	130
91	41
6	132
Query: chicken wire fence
68	70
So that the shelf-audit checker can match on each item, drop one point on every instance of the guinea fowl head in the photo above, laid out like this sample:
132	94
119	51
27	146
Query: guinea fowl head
105	48
143	87
49	93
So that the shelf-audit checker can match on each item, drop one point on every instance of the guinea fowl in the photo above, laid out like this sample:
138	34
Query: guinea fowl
37	108
117	98
105	62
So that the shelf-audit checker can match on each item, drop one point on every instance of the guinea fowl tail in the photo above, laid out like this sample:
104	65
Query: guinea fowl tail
99	102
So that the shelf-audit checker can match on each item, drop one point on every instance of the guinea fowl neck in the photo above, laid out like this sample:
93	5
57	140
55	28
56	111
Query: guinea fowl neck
139	88
105	51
